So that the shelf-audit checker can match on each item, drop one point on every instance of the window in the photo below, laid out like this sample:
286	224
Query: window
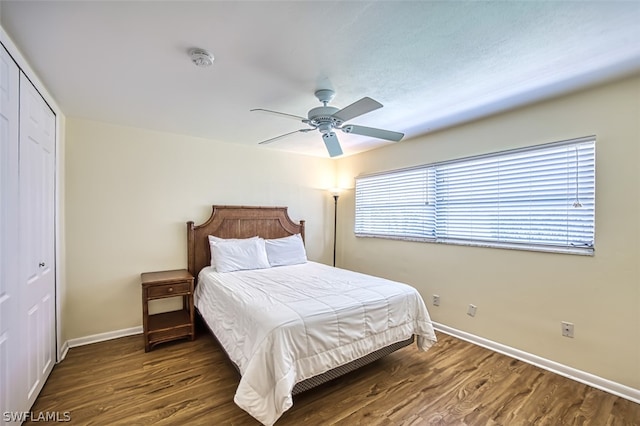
538	198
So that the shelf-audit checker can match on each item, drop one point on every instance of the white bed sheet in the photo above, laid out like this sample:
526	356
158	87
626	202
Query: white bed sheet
285	324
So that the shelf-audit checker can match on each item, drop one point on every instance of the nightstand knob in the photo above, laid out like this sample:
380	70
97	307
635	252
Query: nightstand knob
170	288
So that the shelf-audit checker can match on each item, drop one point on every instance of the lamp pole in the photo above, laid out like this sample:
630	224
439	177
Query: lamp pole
335	225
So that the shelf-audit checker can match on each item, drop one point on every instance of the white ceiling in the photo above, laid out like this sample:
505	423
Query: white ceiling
431	64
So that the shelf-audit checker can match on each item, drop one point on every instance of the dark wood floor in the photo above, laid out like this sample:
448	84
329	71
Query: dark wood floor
192	383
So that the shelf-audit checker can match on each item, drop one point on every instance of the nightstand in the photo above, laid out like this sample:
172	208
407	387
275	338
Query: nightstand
172	325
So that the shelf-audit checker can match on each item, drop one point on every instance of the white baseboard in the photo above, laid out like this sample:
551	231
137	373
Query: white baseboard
95	338
63	351
614	388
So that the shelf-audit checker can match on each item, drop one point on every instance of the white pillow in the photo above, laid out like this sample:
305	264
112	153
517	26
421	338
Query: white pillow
240	255
213	240
286	251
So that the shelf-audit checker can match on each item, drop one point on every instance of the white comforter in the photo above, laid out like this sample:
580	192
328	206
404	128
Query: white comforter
285	324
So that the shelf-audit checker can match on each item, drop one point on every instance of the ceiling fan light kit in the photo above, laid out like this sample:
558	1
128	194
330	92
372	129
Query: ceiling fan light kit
327	118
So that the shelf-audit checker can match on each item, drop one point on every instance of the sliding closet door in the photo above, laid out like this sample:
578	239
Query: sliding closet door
10	375
37	246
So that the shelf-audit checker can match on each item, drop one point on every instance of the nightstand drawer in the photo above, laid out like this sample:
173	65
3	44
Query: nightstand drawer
169	290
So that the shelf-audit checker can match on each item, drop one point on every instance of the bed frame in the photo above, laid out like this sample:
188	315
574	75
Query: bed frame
265	222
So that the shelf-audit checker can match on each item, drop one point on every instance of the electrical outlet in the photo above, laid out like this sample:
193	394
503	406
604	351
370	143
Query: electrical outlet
436	300
472	310
567	329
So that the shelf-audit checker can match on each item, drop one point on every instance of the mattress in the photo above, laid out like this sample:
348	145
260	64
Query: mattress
285	324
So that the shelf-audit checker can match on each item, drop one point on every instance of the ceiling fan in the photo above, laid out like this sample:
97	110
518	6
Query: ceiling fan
327	118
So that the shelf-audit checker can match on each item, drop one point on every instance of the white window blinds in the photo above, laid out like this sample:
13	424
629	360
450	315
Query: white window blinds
539	198
396	204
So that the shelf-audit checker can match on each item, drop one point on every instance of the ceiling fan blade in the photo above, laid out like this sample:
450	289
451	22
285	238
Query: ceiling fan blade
373	132
281	114
282	136
332	144
357	109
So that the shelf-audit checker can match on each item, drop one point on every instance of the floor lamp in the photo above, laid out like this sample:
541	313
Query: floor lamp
336	193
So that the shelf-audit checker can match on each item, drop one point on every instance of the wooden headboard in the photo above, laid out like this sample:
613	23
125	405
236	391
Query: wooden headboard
236	222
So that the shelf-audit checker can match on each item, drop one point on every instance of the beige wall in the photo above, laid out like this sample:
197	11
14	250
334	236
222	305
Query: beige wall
130	192
523	296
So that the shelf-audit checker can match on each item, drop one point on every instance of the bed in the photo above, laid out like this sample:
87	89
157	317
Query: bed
293	326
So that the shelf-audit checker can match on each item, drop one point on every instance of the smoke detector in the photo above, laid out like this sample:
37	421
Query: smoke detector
201	57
